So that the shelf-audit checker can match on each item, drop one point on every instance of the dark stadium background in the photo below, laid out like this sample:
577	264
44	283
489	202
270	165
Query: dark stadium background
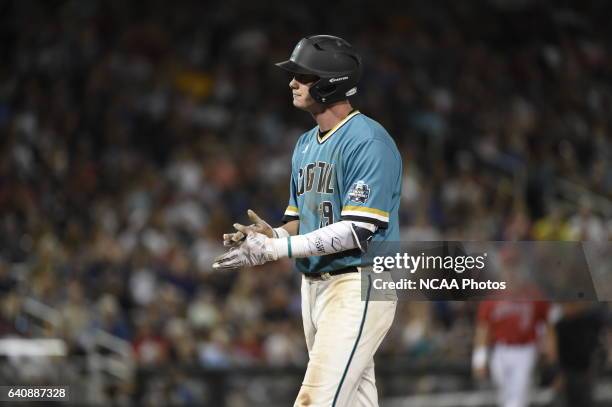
133	134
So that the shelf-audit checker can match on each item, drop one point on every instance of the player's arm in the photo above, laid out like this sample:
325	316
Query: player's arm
479	355
259	226
258	248
549	316
335	238
481	342
368	172
292	227
550	371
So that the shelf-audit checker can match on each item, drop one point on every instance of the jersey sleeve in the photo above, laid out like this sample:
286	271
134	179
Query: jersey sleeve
291	213
371	172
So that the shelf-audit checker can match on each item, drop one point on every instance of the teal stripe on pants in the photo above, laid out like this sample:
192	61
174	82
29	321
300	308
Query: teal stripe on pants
365	311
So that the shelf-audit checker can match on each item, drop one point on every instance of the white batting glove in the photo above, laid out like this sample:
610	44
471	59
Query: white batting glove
259	226
256	250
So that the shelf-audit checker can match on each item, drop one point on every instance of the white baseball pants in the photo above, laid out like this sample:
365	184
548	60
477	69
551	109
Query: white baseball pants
511	369
342	335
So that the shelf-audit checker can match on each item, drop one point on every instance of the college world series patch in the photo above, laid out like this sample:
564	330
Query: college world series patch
360	192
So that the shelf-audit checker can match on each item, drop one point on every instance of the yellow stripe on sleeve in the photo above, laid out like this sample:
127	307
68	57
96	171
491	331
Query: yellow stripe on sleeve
291	210
366	210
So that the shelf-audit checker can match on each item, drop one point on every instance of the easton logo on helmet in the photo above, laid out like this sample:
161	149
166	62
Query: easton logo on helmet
338	79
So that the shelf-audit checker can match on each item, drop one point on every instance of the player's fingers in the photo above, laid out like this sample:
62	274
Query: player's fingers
254	217
242	228
228	260
230	254
220	260
234	237
238	237
224	266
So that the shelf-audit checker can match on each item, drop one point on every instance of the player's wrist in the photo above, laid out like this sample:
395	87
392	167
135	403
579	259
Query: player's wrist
479	357
280	232
280	247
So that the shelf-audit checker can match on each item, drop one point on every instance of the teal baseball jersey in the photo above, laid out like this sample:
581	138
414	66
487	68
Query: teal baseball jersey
352	172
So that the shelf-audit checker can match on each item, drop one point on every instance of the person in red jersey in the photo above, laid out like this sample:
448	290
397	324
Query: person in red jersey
505	345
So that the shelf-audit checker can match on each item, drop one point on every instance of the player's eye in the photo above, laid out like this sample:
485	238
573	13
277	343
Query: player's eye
305	78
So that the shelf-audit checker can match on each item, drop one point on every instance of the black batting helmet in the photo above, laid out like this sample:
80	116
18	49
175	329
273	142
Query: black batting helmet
330	58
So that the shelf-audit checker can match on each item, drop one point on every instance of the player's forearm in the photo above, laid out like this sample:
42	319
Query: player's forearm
335	238
481	338
550	344
288	229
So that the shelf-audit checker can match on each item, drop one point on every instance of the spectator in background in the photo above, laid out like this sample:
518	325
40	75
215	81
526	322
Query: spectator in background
578	331
150	347
552	227
507	335
585	225
509	331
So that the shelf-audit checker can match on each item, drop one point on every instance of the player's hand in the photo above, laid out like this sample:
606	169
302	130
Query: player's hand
257	249
259	226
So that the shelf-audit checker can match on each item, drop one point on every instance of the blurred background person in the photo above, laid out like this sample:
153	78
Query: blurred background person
579	333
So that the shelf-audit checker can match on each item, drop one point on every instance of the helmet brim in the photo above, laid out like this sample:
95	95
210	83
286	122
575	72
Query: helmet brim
292	67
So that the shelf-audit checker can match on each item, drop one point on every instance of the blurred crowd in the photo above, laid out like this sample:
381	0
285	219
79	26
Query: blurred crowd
132	137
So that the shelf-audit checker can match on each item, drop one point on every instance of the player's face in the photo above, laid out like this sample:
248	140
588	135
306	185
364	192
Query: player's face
300	86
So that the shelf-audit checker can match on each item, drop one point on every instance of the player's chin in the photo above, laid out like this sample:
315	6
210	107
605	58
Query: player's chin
300	103
297	102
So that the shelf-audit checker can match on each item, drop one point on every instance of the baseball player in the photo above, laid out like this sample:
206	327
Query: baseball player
345	191
510	330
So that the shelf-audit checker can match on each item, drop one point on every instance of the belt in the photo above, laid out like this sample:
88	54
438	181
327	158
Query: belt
328	275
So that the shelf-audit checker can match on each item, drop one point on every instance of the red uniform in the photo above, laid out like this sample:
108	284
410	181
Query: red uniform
513	322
